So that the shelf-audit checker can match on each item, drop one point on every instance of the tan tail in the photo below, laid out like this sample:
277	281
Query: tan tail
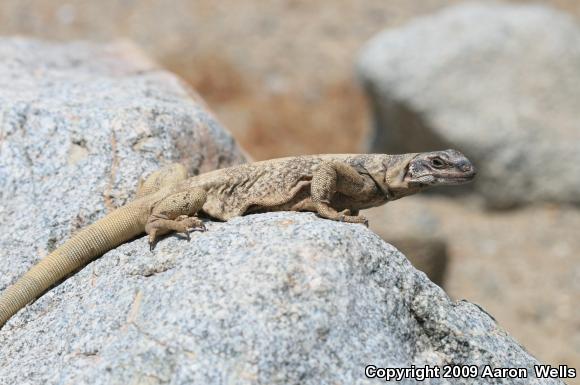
109	232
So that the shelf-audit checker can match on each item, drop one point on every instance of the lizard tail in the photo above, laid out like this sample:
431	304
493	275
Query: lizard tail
107	233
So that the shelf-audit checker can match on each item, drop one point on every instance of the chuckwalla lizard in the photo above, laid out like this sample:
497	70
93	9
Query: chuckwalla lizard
334	186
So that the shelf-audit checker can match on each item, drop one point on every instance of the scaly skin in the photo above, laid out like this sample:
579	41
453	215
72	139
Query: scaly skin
334	186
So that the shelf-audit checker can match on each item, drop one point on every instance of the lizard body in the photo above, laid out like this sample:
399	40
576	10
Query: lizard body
334	186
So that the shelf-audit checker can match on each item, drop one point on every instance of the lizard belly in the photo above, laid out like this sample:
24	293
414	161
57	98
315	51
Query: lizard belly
301	201
227	206
341	201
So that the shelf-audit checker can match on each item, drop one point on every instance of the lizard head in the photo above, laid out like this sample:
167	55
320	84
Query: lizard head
437	168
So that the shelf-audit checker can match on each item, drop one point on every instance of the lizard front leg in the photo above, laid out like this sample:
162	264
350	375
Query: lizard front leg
175	213
332	177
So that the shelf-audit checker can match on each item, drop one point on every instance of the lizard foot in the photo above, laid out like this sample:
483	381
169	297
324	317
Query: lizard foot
191	224
182	224
354	219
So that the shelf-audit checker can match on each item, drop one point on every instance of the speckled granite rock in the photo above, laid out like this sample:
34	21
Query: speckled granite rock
282	298
499	82
79	123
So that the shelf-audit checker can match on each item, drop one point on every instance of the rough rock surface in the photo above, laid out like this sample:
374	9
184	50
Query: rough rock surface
499	82
78	124
279	298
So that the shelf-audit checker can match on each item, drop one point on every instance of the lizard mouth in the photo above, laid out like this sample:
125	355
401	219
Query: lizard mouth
442	179
459	179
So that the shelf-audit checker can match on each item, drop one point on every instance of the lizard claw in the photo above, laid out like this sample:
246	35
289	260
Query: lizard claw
152	241
362	220
201	227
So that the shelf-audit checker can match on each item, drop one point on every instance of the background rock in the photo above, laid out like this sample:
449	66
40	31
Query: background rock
78	124
279	298
428	254
498	82
279	92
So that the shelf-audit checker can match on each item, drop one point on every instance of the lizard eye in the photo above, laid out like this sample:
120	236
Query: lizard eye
437	163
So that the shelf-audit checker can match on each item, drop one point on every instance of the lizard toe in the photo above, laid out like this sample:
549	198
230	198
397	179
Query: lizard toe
152	240
346	212
200	228
195	224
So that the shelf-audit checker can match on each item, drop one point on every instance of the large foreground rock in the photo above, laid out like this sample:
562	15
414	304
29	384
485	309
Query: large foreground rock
282	298
498	82
78	124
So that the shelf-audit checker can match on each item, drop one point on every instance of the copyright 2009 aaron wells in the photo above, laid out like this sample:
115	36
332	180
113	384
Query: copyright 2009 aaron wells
421	373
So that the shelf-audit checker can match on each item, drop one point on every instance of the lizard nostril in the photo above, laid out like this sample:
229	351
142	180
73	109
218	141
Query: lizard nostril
465	167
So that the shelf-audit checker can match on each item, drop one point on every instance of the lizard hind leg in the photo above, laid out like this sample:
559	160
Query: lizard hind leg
166	176
176	213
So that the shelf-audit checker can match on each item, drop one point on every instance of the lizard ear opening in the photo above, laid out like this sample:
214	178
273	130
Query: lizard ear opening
385	170
412	172
413	168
